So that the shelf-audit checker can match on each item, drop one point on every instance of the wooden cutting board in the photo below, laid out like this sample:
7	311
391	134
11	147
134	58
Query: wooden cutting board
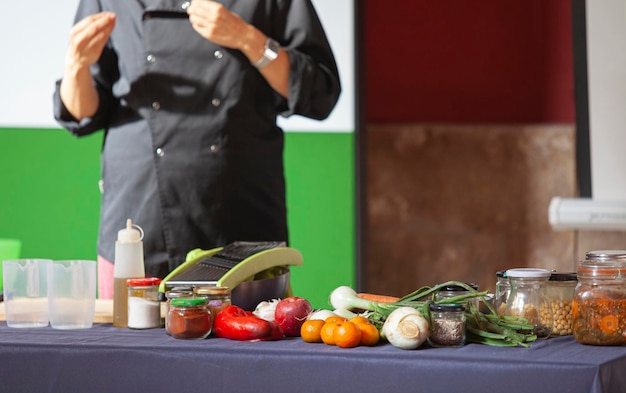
103	314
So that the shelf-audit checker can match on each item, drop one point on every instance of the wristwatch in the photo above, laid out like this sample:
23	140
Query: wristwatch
269	54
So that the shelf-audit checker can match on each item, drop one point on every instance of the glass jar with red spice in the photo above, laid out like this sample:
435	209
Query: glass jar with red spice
599	306
189	318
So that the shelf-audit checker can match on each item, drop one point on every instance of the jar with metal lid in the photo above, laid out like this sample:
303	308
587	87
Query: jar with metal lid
217	298
144	308
447	325
451	291
189	318
174	293
560	294
599	307
528	300
503	288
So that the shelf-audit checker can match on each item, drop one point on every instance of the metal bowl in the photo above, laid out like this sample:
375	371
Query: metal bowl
249	294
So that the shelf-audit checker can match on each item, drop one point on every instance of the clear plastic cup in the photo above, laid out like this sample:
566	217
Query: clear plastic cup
26	292
72	294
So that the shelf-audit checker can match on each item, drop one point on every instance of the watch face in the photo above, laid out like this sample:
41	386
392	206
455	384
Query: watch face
269	54
271	49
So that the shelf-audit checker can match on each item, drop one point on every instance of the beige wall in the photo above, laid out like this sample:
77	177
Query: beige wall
451	202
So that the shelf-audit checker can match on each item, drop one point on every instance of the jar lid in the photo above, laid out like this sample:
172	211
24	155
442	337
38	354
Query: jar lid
211	290
501	273
606	255
458	288
178	293
563	277
143	282
599	268
528	272
188	301
446	307
181	289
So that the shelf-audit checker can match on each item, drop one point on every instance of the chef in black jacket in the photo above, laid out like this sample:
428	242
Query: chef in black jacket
187	94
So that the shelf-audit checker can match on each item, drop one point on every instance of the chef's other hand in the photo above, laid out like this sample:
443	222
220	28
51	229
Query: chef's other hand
88	37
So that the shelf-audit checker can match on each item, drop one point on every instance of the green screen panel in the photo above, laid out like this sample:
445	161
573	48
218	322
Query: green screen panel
49	199
49	196
320	199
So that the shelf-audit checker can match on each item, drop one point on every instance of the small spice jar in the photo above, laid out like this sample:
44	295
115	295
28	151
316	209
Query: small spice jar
503	288
217	298
599	307
174	293
451	291
528	299
560	294
144	308
447	325
189	318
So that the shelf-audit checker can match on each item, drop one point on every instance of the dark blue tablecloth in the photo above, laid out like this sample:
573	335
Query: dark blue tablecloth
108	359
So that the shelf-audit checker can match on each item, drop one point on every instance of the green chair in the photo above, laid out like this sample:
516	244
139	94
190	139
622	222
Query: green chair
9	249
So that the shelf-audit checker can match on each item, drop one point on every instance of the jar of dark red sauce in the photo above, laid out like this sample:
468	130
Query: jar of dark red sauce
599	306
189	318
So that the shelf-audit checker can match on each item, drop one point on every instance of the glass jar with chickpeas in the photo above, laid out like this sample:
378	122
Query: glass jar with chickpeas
560	294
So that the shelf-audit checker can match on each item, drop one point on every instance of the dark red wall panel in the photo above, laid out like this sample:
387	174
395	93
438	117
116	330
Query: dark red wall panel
462	61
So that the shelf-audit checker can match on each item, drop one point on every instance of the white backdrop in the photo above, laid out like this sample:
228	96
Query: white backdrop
606	78
33	45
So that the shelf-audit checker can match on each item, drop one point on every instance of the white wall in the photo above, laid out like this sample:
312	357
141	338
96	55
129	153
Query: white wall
33	39
606	62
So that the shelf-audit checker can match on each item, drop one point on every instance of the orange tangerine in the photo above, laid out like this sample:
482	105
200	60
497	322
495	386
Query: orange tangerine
347	334
359	319
335	318
311	330
327	332
369	334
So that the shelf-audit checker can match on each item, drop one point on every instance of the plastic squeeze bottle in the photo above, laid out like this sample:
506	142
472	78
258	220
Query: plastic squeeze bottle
128	264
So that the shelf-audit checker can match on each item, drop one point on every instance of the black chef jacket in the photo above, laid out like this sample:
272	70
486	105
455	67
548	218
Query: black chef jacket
192	152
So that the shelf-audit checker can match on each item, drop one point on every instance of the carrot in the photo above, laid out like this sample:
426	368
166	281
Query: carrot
609	324
377	298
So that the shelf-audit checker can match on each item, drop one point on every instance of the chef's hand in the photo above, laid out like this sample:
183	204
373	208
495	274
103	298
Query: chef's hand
88	37
219	25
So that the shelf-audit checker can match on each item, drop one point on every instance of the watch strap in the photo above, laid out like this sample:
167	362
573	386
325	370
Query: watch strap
270	53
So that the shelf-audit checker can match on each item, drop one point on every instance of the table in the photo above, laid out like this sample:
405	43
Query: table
109	359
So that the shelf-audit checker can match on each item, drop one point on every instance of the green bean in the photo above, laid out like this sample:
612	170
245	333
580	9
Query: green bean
493	342
486	334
